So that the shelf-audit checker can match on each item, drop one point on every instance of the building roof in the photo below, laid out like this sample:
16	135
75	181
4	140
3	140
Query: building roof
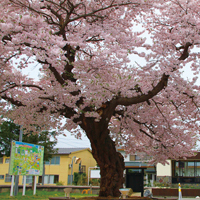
68	150
137	164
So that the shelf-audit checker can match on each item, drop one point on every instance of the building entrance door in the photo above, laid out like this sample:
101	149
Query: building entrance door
135	180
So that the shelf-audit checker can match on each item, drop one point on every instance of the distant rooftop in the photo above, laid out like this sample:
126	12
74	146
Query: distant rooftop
68	150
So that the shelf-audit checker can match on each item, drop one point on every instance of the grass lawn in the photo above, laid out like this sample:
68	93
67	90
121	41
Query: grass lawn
44	195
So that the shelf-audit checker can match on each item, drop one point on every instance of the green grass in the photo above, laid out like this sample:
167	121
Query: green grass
44	195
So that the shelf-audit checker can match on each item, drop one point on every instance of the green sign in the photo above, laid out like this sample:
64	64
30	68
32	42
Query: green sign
26	159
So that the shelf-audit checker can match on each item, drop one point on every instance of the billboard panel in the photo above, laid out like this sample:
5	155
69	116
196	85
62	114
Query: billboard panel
26	159
95	174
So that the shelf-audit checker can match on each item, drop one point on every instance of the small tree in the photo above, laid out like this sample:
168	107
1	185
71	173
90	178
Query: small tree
10	131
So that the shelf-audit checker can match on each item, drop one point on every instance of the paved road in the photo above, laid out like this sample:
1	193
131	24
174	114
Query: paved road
192	198
185	198
172	198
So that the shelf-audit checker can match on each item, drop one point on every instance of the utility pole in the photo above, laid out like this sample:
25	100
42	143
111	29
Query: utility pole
72	169
43	174
17	176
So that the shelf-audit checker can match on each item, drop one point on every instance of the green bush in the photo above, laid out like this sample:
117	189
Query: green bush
60	183
80	179
157	184
95	181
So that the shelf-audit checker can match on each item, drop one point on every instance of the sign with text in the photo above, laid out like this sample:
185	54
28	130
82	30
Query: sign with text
26	159
95	174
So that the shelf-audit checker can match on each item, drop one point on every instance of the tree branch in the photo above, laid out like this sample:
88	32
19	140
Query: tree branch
101	9
144	97
23	85
185	48
11	100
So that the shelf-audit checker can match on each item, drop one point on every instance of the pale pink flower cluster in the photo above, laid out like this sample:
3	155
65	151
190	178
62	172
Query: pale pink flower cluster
84	50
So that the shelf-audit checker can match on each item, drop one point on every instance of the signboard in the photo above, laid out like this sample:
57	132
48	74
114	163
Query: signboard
95	174
26	159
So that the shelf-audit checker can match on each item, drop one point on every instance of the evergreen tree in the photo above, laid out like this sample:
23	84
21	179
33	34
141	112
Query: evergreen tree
10	131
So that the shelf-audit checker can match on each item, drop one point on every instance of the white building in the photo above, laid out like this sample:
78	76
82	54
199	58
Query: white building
180	171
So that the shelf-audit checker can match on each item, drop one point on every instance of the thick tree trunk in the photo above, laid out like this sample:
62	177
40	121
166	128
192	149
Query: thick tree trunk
110	161
111	165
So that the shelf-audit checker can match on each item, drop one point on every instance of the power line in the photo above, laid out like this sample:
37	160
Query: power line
73	144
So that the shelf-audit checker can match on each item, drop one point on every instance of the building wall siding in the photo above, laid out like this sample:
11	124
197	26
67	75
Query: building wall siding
164	170
62	169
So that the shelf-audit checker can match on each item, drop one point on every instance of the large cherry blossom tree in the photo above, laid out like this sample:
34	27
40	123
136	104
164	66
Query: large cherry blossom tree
87	83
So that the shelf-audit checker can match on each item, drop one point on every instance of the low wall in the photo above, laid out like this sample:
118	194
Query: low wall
166	180
75	189
95	190
174	192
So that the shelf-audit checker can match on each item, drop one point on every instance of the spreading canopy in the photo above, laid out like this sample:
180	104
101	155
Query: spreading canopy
84	49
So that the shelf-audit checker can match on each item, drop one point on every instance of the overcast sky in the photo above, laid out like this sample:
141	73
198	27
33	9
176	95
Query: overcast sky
71	142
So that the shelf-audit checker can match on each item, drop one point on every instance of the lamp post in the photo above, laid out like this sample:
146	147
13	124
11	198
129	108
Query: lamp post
74	158
16	187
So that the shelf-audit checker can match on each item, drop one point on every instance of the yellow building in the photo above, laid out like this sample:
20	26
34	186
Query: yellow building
5	178
60	168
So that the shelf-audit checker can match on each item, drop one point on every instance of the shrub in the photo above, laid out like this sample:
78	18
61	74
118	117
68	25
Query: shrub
79	178
60	183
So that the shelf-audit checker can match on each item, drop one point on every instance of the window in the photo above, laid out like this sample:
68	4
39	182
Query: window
184	169
29	179
132	157
82	168
137	157
1	160
49	179
185	172
133	171
53	161
39	179
189	169
7	160
197	169
47	162
70	178
1	177
8	178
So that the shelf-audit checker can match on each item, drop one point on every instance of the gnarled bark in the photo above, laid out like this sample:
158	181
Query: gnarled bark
112	166
110	161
